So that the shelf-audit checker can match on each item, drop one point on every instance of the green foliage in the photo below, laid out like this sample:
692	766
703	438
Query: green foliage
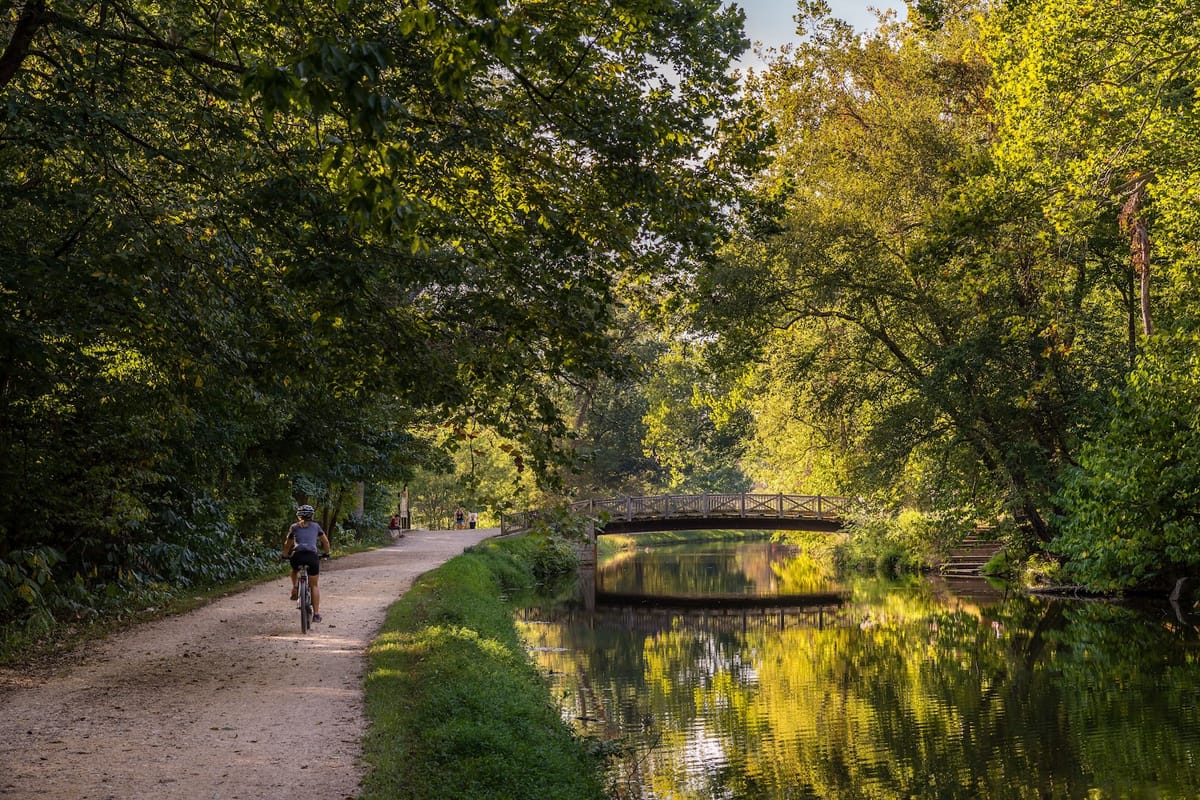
910	541
901	311
932	290
554	558
29	592
695	428
1007	564
1097	123
546	557
552	547
1040	572
246	255
1095	105
1131	509
456	708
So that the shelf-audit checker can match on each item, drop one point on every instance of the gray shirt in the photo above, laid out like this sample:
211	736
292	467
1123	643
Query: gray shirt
306	536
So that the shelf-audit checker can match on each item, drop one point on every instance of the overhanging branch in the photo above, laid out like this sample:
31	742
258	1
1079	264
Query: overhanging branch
33	15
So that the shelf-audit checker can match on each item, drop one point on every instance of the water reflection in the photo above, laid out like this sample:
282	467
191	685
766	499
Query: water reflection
756	568
898	690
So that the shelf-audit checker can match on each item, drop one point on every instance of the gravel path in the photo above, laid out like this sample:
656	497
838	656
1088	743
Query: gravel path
215	703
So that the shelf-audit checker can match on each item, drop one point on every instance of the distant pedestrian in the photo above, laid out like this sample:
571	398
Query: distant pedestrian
472	520
404	523
394	526
459	515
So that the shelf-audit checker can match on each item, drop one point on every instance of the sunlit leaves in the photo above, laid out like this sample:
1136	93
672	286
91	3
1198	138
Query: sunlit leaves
1092	96
879	269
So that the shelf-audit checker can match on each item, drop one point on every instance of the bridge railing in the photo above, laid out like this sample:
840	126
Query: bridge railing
698	506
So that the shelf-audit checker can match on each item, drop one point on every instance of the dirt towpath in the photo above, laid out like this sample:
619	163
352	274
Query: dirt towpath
213	703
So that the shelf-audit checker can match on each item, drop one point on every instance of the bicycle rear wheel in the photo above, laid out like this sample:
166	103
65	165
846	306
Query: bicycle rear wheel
305	606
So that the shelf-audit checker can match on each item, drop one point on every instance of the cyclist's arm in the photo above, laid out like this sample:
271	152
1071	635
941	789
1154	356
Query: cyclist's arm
288	544
324	541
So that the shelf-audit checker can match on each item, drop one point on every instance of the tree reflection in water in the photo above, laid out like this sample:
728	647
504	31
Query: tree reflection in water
905	690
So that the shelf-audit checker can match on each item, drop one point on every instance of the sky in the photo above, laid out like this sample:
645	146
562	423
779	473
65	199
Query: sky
770	21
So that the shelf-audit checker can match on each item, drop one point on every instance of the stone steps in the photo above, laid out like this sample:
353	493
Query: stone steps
967	559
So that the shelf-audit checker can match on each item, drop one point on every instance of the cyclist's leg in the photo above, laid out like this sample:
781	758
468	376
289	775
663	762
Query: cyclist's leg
314	582
295	562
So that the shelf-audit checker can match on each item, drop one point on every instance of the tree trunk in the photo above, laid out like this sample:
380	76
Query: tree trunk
1133	223
22	38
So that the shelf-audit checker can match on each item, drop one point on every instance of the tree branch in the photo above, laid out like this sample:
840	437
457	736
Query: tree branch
33	15
151	41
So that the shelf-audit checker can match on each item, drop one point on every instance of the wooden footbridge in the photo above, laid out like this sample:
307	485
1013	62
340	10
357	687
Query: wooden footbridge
677	512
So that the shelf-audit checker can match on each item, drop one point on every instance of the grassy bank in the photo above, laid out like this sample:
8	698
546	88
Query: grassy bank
456	708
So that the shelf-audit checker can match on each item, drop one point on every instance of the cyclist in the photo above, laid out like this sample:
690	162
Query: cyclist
301	547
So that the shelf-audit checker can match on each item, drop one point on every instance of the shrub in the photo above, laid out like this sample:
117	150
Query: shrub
1132	507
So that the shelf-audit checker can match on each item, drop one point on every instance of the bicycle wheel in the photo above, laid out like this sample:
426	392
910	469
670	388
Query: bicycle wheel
305	606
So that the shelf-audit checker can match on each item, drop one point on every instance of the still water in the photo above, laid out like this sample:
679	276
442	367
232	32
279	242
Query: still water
745	670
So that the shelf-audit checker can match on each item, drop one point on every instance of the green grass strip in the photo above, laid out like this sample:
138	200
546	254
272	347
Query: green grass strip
456	708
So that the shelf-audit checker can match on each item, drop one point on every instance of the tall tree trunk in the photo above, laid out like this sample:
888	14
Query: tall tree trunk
1133	223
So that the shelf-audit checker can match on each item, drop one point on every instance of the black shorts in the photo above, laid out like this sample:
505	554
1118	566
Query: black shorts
310	557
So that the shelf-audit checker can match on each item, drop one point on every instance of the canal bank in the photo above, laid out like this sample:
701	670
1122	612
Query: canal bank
455	707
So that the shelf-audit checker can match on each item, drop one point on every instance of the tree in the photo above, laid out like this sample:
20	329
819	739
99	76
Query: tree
912	303
1132	504
1097	114
696	429
265	240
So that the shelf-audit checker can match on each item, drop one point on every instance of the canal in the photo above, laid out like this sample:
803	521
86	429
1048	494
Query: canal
748	670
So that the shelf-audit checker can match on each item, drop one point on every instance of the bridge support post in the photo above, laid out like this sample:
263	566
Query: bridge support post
586	550
587	568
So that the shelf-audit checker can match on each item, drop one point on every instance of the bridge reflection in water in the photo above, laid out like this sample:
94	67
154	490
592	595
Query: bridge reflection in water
645	611
656	613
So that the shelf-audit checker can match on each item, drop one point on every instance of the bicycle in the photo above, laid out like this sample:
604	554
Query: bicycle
304	591
305	605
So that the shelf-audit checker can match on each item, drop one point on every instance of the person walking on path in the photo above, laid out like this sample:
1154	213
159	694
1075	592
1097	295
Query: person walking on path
404	521
459	516
472	520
